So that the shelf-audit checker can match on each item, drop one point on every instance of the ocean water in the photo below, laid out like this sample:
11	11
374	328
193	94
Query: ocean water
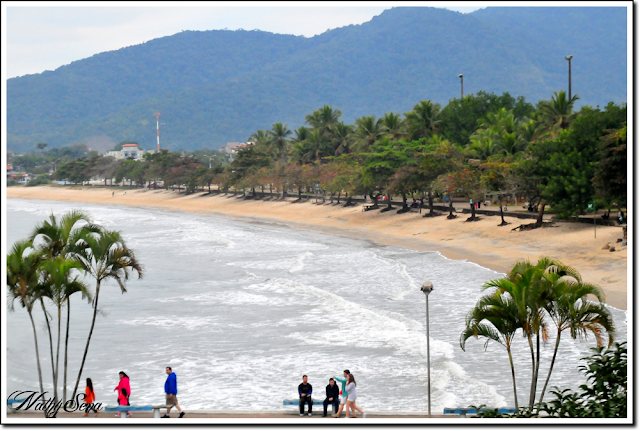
241	310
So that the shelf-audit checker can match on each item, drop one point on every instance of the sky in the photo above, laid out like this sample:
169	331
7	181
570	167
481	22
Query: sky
40	37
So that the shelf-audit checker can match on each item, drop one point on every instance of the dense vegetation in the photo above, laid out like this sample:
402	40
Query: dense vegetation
548	155
217	86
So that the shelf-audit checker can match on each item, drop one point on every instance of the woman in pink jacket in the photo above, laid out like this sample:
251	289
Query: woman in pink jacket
124	391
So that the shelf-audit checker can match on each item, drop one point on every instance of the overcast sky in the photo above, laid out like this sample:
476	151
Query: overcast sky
40	37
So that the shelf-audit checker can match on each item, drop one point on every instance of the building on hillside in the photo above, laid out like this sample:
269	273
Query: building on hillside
232	148
129	151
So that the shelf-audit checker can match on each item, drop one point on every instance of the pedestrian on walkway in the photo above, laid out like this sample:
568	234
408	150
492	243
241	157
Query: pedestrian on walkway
171	391
343	402
351	399
90	397
124	391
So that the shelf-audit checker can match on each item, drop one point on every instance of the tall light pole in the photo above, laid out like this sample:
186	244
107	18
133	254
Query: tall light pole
568	58
461	86
426	288
210	157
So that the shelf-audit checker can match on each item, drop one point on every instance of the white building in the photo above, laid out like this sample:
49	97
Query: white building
232	148
129	151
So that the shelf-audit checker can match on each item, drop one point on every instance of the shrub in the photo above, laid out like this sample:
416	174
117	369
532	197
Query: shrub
39	180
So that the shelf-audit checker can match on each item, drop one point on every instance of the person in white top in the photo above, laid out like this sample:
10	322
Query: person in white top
351	399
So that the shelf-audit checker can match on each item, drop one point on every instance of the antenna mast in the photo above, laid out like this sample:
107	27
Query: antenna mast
157	114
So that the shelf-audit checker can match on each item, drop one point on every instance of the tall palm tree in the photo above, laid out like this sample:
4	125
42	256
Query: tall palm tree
394	126
324	119
424	119
495	317
278	140
524	285
571	310
557	114
260	139
105	256
23	275
368	131
60	282
57	236
341	138
315	146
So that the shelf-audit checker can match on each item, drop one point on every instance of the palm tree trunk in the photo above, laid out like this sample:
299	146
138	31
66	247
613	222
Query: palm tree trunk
430	202
533	372
35	338
535	382
66	349
553	359
389	200
513	377
339	193
55	389
46	318
86	349
501	213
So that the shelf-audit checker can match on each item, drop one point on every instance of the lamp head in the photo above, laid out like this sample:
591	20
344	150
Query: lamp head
460	76
427	287
568	57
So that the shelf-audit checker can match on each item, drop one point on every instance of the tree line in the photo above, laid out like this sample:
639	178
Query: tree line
548	154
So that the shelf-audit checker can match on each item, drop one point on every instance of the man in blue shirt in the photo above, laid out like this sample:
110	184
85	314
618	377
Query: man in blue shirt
171	389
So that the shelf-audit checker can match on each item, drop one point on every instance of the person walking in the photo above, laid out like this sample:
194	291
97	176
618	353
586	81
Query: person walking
351	399
333	396
90	397
171	390
305	390
124	391
343	403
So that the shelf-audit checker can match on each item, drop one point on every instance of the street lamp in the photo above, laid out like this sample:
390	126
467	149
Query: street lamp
568	58
210	157
426	288
461	92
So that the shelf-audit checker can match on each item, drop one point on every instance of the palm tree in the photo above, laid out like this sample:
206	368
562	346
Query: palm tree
341	138
60	284
496	318
368	131
23	274
278	140
423	119
557	114
324	119
106	257
524	286
394	126
260	139
571	310
315	146
57	237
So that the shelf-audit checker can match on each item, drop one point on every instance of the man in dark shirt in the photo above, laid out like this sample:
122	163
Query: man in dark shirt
333	397
305	390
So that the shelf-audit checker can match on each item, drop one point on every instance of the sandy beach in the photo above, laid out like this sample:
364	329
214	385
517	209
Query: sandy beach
481	242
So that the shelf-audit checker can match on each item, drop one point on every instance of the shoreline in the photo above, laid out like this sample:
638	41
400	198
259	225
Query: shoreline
480	242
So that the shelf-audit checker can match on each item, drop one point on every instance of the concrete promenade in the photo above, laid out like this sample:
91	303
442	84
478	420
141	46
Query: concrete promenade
220	414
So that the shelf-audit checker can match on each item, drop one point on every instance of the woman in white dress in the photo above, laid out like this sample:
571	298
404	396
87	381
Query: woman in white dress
351	399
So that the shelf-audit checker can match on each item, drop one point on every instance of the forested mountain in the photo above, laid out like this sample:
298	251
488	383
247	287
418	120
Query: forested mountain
217	86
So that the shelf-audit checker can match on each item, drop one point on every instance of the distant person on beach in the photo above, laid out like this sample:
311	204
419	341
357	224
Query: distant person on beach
333	397
305	390
124	391
343	402
171	391
351	399
90	397
113	193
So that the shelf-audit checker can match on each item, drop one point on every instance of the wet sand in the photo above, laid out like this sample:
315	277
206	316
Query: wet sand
481	242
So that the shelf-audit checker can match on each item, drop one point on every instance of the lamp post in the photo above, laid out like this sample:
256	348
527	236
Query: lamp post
210	157
426	288
568	58
461	86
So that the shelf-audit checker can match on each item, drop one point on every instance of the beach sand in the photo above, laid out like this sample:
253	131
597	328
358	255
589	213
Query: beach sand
481	242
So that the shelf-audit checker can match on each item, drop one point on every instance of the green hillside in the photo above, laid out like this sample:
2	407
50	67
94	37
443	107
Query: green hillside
217	86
